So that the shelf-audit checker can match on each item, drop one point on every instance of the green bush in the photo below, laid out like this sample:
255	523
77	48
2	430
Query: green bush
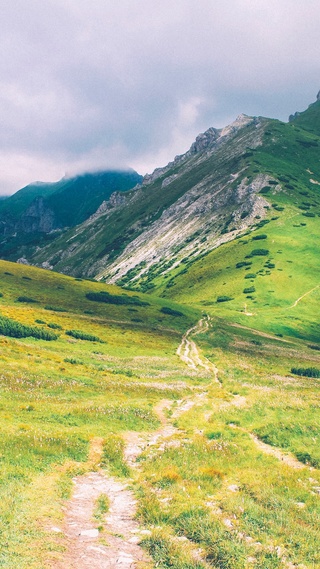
9	327
108	298
307	372
259	253
83	336
249	290
54	326
170	311
250	276
224	298
25	299
55	308
243	264
258	237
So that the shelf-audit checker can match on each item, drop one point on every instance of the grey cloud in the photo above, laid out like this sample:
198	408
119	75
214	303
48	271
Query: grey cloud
97	84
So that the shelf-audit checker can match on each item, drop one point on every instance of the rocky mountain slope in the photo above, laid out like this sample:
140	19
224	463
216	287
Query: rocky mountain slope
232	180
201	199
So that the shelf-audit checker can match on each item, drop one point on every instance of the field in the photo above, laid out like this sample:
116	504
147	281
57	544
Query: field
220	446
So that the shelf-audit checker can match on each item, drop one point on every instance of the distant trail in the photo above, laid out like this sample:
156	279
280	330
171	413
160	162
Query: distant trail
189	353
301	297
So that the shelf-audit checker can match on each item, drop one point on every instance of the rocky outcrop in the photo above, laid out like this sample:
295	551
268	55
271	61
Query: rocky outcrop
37	218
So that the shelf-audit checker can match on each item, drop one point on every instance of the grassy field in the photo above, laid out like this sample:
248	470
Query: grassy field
209	486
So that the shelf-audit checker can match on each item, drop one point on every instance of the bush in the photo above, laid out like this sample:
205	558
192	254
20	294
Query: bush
250	276
108	298
243	264
224	298
309	214
258	237
9	327
83	336
259	253
170	311
307	372
314	347
55	308
54	326
25	299
249	290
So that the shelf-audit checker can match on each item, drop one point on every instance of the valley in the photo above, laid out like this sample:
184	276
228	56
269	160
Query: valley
160	364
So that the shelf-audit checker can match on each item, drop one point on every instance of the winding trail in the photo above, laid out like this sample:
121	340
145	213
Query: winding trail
113	543
301	297
189	353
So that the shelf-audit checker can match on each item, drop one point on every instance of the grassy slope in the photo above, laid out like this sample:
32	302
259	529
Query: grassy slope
292	242
55	396
71	199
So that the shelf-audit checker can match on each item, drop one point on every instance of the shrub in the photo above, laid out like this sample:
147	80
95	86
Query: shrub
25	299
265	190
249	290
170	311
243	264
55	308
73	361
307	372
224	298
9	327
259	253
314	347
258	237
108	298
54	326
309	214
270	265
40	321
83	336
250	276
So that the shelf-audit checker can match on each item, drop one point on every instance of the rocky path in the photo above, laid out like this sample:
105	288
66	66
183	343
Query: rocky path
112	543
189	353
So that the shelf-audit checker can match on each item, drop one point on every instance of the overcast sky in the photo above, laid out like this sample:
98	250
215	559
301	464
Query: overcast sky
91	84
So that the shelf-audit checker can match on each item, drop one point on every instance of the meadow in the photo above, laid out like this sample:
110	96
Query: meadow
208	493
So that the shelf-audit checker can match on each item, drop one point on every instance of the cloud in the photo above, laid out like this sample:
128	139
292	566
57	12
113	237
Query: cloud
87	85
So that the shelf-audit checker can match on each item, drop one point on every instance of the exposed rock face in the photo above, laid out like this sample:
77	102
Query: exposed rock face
200	200
37	218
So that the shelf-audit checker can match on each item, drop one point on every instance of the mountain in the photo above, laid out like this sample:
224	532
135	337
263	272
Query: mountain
186	416
31	215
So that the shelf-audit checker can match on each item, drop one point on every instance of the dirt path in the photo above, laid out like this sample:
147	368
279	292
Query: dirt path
189	353
284	457
301	297
90	543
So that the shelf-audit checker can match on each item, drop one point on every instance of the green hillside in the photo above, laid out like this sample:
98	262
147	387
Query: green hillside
85	364
191	390
71	199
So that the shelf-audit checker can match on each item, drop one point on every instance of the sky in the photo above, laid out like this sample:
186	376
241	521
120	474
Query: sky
98	84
